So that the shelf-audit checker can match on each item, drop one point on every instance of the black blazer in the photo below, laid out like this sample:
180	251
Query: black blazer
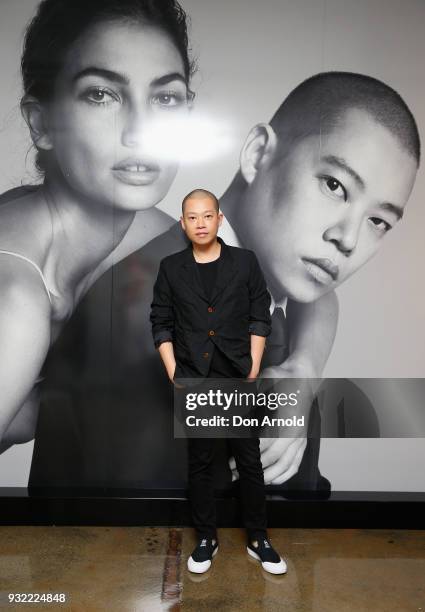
181	312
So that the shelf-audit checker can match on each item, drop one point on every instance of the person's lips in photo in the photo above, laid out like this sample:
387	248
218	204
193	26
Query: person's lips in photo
201	234
135	171
323	270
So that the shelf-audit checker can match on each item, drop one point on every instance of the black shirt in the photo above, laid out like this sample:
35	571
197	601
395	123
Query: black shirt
208	272
220	364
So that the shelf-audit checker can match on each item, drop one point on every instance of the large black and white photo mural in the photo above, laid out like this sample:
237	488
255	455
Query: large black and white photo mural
306	120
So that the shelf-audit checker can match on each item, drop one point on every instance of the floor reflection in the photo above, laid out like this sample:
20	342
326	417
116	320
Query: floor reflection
144	569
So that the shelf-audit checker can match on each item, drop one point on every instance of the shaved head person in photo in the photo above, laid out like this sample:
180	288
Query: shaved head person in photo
333	171
318	189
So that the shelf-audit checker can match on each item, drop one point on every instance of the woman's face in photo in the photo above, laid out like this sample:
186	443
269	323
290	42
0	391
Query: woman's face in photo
120	83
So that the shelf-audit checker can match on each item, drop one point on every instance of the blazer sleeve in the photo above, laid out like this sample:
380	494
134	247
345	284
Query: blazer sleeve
259	315
162	312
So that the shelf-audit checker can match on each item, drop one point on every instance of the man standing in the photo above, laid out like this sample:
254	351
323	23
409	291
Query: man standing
211	285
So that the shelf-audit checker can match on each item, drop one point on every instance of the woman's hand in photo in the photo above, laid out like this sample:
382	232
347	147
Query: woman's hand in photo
281	458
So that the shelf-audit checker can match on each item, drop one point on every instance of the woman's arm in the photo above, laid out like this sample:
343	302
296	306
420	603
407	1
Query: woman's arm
24	343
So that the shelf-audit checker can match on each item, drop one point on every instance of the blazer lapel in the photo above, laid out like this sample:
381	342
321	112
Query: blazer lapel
225	273
190	274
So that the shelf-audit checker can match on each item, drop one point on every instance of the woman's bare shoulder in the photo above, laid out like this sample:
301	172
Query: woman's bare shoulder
24	222
17	192
25	312
21	221
21	285
25	320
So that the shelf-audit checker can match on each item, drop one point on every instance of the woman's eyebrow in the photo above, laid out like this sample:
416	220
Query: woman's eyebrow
167	78
111	75
123	79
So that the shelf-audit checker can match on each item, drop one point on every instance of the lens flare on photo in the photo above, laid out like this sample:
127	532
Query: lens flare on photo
189	139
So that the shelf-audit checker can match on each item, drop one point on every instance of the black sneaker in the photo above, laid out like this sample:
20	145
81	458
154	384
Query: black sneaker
200	560
270	560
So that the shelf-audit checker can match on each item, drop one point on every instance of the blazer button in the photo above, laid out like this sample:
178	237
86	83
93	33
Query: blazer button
211	332
206	355
210	309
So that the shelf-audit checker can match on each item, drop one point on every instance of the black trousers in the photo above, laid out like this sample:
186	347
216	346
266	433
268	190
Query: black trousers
246	452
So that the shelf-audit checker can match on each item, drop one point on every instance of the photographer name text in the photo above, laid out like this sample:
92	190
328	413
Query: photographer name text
238	421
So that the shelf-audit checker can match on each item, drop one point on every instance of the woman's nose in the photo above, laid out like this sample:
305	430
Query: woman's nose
345	232
135	128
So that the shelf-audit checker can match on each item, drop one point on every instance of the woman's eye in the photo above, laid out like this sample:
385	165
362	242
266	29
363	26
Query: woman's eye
380	224
335	187
99	96
169	99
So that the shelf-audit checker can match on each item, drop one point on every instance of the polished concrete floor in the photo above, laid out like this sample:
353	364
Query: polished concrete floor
144	569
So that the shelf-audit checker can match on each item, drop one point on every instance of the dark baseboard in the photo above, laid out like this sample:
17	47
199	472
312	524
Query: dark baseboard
126	507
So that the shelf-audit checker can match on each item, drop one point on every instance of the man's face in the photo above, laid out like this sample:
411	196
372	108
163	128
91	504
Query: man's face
322	212
201	220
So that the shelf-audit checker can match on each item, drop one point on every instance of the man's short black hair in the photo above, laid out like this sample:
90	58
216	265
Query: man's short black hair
201	193
316	105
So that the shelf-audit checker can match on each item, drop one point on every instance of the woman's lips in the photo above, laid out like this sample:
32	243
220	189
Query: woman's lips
322	270
134	172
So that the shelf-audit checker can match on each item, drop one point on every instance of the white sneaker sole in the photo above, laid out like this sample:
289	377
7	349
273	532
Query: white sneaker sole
202	567
271	568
